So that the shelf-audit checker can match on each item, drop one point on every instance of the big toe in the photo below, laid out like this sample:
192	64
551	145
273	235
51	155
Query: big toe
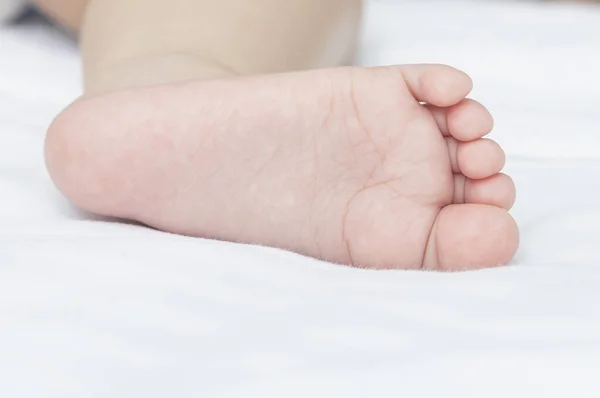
471	236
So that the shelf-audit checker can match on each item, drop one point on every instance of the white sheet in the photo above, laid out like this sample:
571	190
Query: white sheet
95	309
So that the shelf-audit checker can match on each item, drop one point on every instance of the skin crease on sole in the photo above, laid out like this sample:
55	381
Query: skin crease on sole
346	165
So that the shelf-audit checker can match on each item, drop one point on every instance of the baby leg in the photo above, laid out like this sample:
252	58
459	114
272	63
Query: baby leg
68	13
129	43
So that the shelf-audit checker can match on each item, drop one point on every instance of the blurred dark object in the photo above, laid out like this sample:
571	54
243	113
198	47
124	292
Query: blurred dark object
31	15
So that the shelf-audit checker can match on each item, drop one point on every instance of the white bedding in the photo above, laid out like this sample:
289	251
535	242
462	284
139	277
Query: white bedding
96	309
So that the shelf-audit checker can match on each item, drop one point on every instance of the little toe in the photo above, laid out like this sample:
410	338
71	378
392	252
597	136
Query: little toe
480	159
471	236
498	190
466	121
438	85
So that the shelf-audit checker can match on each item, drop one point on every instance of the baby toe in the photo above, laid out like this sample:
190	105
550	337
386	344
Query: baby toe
438	85
498	190
469	120
471	236
480	159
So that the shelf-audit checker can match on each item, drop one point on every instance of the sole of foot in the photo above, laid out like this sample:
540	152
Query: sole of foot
382	168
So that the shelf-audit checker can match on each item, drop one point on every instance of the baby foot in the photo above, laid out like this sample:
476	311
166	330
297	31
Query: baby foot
377	168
